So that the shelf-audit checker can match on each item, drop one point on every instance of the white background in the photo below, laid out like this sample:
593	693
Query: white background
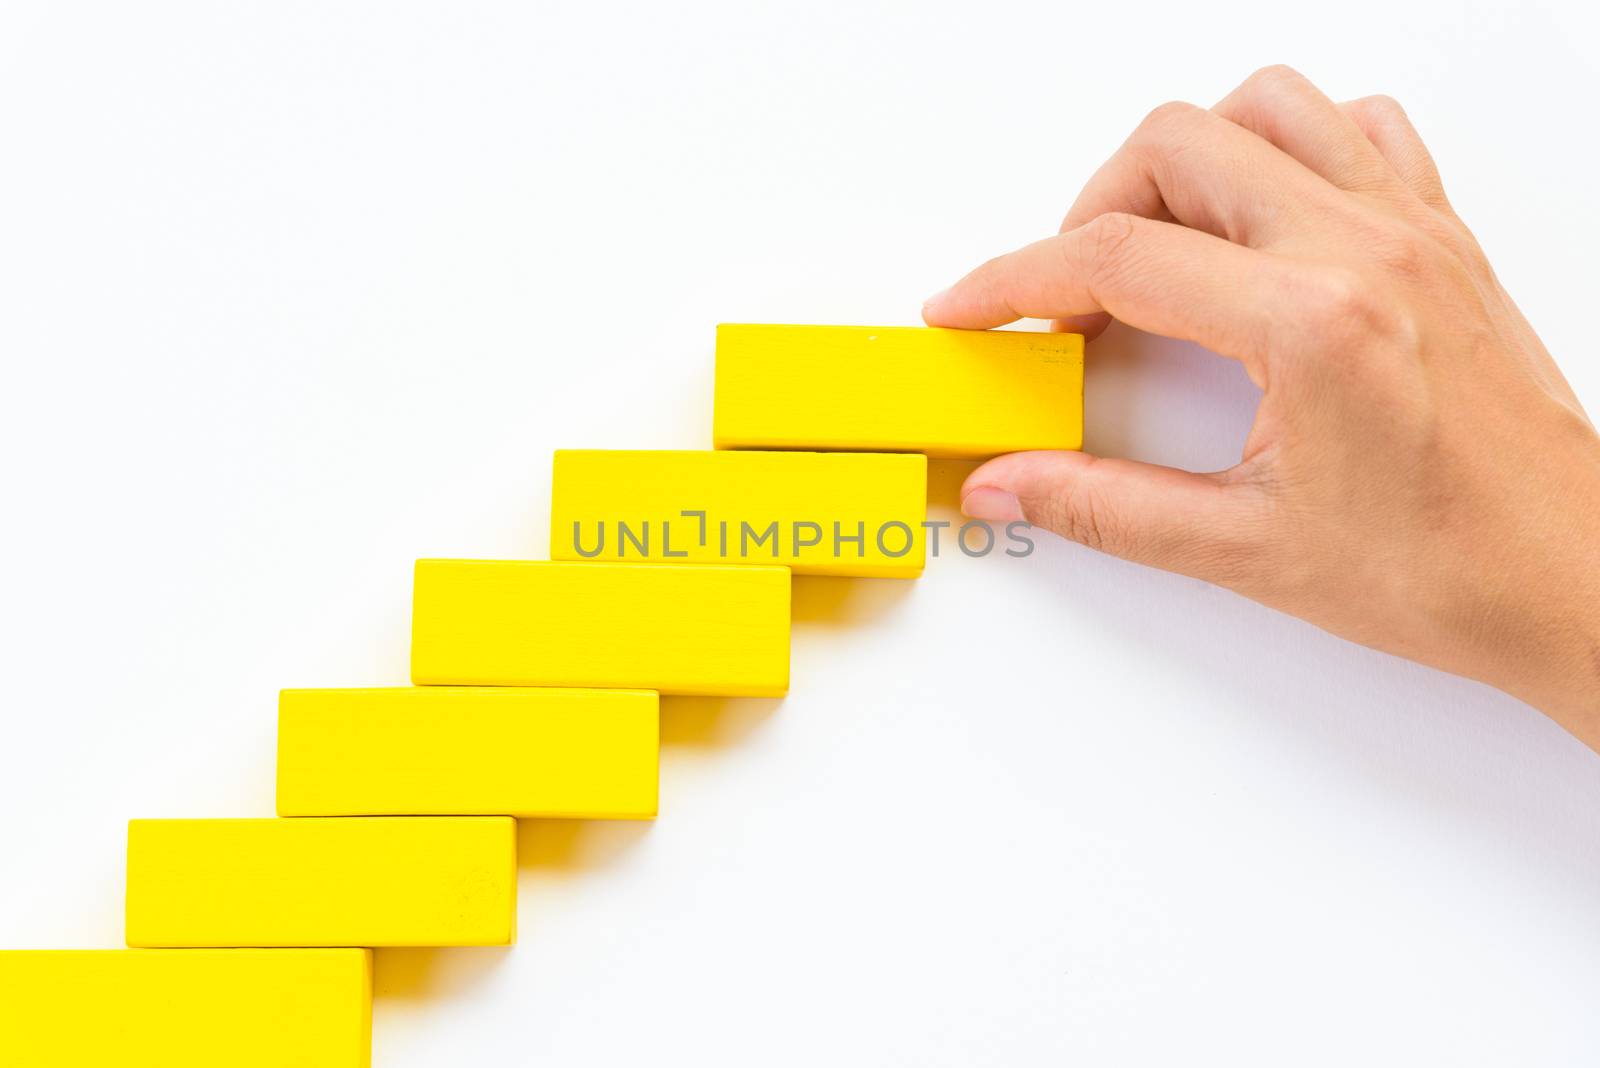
291	294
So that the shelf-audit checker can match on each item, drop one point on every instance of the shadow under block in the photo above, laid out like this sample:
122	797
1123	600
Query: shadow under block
158	1008
820	513
385	881
673	628
447	750
945	393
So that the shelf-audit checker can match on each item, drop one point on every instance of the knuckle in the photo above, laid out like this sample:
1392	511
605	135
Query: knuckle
1163	118
1407	254
1261	95
1340	294
1105	244
1451	240
1405	249
1084	513
1341	301
1464	244
1085	520
1359	315
995	277
1275	76
1383	107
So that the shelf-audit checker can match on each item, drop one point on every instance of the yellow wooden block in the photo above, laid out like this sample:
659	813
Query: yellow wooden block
390	881
446	750
948	393
675	628
818	513
203	1008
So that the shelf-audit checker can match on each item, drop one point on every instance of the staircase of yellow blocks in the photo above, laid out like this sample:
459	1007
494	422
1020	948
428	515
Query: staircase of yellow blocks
535	695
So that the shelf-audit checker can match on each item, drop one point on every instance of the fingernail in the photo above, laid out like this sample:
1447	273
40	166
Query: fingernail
937	299
995	505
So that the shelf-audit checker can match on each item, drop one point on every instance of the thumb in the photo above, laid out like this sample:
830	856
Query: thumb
1204	525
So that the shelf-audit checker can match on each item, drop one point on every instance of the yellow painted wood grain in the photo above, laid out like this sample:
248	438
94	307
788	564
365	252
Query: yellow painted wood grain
382	881
456	750
947	393
674	628
136	1008
819	513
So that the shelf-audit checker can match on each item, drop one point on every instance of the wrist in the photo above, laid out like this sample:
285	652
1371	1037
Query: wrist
1570	692
1562	679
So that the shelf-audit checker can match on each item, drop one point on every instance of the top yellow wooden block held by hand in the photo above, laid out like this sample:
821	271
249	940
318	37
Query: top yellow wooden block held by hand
950	393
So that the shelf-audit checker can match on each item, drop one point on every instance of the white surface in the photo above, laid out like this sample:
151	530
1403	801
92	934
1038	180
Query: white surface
291	295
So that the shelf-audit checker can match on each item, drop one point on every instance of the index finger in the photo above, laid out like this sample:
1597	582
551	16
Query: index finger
1156	276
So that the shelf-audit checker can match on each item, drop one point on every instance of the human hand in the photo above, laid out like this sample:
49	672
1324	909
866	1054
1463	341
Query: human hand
1419	477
